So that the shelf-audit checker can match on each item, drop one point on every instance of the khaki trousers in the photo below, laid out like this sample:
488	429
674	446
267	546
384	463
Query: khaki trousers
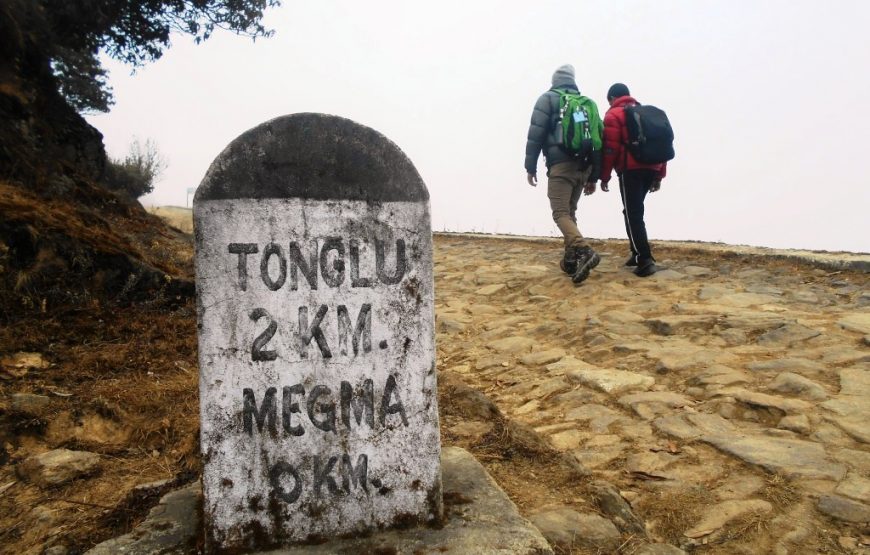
565	182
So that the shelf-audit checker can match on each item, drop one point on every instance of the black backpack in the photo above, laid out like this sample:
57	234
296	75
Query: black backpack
650	136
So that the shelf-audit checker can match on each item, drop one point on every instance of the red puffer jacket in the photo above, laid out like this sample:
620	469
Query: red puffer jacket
616	157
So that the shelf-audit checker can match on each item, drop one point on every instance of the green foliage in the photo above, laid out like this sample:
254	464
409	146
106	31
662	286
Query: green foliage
136	174
68	35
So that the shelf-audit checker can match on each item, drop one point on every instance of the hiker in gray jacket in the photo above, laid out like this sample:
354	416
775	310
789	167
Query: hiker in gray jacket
567	176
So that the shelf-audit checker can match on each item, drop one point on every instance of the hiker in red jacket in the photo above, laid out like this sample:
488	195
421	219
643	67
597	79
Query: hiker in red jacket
635	178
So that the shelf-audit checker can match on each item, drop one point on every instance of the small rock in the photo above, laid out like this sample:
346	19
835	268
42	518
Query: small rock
462	400
856	487
719	375
449	325
669	275
526	439
727	410
18	364
490	290
621	317
471	429
513	345
756	399
739	486
58	467
610	380
611	503
697	271
859	322
796	423
567	439
854	381
650	464
789	382
847	542
540	358
844	509
734	336
719	515
30	403
56	550
789	364
805	296
788	335
566	529
696	392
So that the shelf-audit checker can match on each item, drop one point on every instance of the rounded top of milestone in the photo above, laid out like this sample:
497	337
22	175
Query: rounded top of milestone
312	156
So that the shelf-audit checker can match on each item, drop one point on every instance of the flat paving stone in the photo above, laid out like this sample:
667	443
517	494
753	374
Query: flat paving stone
844	509
513	345
568	529
611	381
789	382
170	528
790	457
788	334
859	322
481	519
855	486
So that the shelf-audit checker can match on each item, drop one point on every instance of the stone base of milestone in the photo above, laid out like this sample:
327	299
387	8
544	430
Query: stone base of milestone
478	518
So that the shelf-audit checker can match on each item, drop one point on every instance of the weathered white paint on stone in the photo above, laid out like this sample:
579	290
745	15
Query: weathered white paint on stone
316	340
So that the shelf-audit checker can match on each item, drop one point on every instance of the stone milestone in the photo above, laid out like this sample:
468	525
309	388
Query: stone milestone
318	401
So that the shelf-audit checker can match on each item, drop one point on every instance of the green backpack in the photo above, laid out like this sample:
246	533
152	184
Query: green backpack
580	123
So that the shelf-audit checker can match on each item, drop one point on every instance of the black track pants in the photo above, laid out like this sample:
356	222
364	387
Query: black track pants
633	187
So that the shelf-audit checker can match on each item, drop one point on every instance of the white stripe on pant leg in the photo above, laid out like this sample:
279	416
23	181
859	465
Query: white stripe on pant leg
622	188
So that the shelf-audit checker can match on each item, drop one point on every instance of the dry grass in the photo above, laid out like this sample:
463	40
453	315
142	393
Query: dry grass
177	217
674	512
134	370
781	492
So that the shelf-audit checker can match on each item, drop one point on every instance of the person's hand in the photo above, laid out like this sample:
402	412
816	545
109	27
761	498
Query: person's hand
532	179
656	185
589	188
605	186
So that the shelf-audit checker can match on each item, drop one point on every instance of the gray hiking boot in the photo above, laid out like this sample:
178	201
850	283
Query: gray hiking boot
586	260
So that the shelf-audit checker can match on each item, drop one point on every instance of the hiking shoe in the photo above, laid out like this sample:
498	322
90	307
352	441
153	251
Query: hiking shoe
632	261
587	259
569	261
646	269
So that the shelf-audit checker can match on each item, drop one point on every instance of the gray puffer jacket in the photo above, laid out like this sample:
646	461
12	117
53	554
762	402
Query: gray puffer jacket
544	133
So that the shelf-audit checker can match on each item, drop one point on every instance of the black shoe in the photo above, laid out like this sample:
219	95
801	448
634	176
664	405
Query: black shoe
632	261
646	269
587	259
569	261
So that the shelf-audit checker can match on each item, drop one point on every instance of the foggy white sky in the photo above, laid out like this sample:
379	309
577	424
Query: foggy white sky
767	99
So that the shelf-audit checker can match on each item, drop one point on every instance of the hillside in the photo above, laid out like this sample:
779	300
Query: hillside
725	398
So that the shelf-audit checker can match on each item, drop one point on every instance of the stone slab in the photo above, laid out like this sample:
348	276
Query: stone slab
480	518
789	457
315	302
170	528
610	380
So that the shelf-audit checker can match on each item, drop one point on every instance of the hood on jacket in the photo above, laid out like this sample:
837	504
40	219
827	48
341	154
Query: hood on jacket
623	101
